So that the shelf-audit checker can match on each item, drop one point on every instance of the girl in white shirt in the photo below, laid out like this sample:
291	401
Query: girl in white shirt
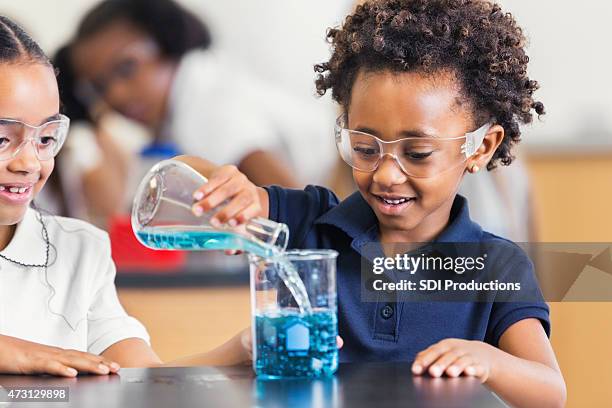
59	311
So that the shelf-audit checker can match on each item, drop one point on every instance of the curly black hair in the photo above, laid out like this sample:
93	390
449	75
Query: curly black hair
481	45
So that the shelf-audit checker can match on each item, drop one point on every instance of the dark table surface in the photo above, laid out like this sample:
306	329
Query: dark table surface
377	385
202	269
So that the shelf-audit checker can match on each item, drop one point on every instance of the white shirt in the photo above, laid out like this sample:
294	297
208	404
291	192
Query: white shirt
222	113
80	309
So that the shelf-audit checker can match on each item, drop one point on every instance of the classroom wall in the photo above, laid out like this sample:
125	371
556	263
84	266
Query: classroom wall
281	40
566	40
573	192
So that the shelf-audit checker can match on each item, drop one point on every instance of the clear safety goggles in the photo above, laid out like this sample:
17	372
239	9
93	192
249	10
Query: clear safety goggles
47	139
419	157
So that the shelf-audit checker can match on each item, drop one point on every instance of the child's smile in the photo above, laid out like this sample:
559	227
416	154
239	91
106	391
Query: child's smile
392	106
29	94
16	193
393	204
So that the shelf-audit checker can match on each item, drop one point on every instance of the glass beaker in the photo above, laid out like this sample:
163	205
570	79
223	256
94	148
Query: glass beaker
288	342
162	217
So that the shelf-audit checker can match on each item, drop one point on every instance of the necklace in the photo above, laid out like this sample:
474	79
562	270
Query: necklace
45	266
47	245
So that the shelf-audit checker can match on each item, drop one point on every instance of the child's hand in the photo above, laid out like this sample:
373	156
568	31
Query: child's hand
228	183
24	357
454	357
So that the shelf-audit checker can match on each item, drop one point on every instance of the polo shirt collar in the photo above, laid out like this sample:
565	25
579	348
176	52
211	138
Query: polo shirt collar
27	245
460	228
355	217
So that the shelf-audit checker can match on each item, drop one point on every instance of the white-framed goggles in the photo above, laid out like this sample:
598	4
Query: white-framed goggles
419	157
47	139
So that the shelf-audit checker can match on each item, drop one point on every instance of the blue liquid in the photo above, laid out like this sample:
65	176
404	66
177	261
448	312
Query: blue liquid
296	345
201	239
206	239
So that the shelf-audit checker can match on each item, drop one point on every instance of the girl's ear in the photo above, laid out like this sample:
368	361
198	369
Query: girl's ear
490	143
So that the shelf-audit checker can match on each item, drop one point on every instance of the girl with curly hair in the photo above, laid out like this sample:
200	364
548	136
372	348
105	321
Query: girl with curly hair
431	91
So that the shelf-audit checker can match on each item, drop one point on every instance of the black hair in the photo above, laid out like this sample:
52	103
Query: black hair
175	29
17	46
72	106
483	46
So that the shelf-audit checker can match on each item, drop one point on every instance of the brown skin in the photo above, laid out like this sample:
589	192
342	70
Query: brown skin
523	370
433	109
20	84
105	199
143	96
265	168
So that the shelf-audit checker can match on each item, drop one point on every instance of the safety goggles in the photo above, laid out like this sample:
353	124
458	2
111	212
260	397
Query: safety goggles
419	157
47	139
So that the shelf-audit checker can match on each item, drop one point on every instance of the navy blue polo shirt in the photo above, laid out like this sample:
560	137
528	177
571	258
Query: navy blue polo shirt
393	331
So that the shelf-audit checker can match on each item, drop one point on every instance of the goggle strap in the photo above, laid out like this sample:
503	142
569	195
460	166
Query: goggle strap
474	139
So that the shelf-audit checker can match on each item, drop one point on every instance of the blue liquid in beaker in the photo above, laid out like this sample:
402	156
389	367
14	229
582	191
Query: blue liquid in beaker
296	345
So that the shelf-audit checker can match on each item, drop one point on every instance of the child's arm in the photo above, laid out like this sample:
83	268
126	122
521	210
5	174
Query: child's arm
523	370
136	352
25	357
132	352
227	182
235	351
264	168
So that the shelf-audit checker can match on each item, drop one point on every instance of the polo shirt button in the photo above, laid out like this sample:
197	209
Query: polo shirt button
386	312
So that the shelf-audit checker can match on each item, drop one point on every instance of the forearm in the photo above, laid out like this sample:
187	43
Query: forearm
265	168
132	352
104	185
113	154
103	192
232	352
201	165
9	363
524	383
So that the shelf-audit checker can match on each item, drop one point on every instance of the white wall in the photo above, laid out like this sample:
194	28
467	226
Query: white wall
278	40
571	59
281	39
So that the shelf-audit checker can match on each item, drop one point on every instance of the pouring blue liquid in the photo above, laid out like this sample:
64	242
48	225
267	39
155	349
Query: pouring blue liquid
295	343
304	339
198	238
202	239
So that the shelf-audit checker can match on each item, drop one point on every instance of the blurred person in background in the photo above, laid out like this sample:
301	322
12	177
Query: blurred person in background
92	169
152	62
